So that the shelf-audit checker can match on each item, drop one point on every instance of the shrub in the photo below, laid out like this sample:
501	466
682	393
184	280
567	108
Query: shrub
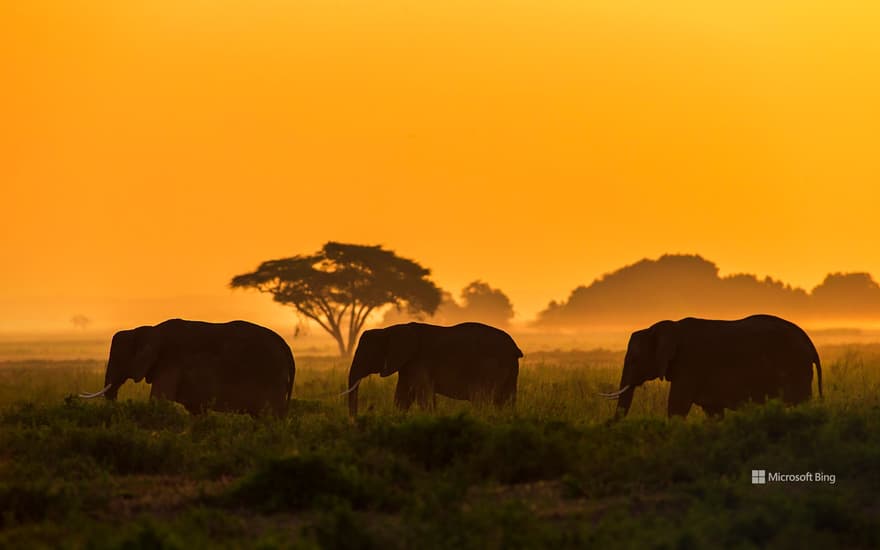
297	482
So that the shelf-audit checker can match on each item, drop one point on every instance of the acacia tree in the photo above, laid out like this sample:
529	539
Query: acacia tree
342	284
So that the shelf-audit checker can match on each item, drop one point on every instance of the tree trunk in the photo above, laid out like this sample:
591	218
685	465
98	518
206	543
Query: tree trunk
344	352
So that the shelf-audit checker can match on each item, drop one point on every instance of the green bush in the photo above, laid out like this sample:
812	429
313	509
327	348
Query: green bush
28	502
432	442
297	482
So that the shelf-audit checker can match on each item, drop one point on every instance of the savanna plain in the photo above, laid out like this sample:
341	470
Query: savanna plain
554	471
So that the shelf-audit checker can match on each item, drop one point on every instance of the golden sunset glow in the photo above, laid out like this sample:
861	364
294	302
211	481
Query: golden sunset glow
150	151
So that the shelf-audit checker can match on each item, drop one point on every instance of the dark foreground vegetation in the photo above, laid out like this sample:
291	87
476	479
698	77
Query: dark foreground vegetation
141	474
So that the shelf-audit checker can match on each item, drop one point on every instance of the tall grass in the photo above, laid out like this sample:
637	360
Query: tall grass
551	472
552	385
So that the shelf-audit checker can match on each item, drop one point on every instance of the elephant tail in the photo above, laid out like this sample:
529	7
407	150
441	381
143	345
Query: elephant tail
819	374
291	374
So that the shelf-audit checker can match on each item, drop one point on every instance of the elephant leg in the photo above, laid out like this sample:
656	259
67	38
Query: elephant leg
403	394
680	400
511	397
165	384
414	385
197	388
505	394
426	398
424	390
797	388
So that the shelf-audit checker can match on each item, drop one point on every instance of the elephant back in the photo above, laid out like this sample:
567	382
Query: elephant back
488	340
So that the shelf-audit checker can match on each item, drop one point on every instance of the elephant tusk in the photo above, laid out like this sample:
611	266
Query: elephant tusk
351	389
96	394
616	394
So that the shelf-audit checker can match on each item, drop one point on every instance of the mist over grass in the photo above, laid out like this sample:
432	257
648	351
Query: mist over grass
553	472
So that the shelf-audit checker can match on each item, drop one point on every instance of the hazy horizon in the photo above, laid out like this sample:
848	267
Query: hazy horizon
54	315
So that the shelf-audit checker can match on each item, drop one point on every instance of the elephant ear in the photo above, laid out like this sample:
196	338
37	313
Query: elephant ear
146	353
667	338
403	346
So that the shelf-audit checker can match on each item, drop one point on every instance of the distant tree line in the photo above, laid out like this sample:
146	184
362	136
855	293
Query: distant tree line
478	302
676	286
341	286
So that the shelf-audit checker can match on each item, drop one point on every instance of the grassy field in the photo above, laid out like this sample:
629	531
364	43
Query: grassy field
554	472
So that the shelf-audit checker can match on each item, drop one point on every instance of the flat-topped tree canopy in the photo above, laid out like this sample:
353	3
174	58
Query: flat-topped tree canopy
342	284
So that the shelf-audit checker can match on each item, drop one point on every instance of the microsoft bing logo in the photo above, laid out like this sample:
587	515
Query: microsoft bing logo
763	477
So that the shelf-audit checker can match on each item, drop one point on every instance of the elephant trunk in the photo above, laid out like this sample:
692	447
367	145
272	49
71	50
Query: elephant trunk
365	362
627	389
353	383
112	391
112	381
625	400
116	374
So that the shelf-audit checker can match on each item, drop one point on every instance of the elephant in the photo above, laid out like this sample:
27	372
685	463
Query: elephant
235	366
468	361
719	364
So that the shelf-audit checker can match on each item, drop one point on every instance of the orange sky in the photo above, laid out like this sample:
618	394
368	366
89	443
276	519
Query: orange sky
152	150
